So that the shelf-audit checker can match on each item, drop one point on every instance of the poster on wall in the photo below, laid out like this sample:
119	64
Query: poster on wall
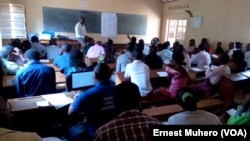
196	22
109	25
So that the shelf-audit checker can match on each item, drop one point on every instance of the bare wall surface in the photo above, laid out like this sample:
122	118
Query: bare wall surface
222	20
151	8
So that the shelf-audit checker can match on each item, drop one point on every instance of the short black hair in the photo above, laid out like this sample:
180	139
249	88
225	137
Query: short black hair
130	47
66	47
76	59
187	98
137	54
32	54
202	47
6	50
102	71
127	96
224	58
34	39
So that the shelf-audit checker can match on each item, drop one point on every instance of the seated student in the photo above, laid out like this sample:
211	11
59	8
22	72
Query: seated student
35	78
7	54
213	77
96	103
110	51
187	98
62	61
96	50
153	60
219	49
242	114
76	64
187	60
89	42
125	58
247	56
191	47
230	49
202	58
238	63
7	134
130	124
26	45
38	47
138	73
17	44
52	50
165	53
178	76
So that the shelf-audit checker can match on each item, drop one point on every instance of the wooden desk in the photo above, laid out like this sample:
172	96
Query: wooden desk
229	84
119	76
196	74
163	112
74	43
29	103
9	80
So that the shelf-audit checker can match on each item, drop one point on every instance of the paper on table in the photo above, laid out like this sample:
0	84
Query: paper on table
44	60
162	73
231	111
58	100
197	69
42	103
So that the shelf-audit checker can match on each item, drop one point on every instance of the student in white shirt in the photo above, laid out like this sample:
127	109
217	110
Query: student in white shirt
187	98
139	73
213	77
202	58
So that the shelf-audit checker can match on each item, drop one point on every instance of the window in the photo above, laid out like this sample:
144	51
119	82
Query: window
12	21
175	30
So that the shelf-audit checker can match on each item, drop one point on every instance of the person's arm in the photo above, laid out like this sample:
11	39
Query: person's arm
127	70
172	71
118	65
19	86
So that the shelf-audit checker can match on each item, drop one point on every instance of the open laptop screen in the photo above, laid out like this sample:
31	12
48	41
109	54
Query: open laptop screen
82	80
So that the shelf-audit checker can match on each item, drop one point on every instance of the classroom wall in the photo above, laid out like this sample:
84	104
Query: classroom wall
152	8
222	20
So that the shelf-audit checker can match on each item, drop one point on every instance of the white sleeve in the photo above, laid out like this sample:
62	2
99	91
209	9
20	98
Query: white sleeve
126	74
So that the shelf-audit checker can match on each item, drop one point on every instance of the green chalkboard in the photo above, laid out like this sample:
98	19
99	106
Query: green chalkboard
64	20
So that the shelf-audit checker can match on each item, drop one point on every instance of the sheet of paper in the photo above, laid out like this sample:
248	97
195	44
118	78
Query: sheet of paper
162	73
58	100
231	111
44	60
197	69
42	103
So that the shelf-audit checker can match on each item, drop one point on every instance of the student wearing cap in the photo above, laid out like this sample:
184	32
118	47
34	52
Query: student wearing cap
187	98
35	78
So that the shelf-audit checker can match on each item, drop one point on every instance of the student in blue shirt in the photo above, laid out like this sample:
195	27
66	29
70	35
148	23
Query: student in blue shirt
96	103
35	78
62	61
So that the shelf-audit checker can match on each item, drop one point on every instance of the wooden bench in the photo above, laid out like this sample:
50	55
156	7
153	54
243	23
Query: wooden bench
163	112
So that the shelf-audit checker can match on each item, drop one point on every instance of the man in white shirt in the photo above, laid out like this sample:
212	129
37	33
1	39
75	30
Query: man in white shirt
202	58
80	31
139	73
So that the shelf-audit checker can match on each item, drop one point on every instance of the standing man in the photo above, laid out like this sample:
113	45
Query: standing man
80	31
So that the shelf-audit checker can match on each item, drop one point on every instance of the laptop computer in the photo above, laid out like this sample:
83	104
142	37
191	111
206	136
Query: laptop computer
82	80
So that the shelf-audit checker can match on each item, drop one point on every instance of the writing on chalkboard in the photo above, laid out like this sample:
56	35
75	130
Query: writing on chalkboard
64	20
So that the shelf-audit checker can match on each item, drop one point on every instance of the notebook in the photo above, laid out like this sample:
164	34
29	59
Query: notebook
82	80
